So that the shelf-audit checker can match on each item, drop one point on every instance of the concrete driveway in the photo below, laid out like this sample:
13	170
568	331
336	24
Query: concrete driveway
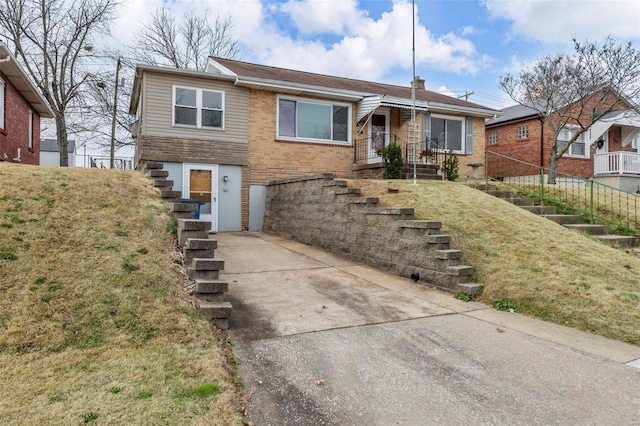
324	341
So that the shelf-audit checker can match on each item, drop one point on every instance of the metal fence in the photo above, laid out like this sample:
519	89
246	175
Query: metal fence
594	201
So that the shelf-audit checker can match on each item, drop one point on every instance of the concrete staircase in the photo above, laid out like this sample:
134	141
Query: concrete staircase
423	172
202	268
573	222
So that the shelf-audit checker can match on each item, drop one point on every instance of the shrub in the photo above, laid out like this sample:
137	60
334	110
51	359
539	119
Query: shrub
450	167
392	156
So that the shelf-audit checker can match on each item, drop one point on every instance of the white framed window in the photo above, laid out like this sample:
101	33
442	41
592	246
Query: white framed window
314	121
577	148
1	103
201	108
635	142
523	132
449	131
30	130
493	138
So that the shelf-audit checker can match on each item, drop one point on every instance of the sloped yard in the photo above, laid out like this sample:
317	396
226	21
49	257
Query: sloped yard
94	323
541	268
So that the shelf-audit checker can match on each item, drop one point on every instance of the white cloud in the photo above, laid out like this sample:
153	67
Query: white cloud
369	48
445	91
554	21
320	16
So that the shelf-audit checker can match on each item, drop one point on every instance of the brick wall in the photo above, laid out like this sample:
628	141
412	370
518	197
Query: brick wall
272	159
16	128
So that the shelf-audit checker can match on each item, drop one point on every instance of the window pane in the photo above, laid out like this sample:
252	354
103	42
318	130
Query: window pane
577	148
340	123
211	100
454	135
211	118
287	118
185	97
437	131
314	121
186	116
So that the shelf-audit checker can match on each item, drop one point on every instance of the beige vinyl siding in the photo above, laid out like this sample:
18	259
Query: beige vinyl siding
158	108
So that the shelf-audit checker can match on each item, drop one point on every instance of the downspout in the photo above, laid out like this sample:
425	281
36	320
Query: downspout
541	142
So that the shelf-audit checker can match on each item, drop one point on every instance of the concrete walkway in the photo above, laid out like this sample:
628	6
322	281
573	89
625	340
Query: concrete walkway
324	341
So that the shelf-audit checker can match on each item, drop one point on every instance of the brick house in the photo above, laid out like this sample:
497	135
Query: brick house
223	134
21	107
606	152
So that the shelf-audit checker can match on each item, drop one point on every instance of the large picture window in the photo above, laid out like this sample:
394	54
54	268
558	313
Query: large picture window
198	108
577	148
449	133
313	121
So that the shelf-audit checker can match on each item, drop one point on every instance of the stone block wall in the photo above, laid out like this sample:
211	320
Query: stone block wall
324	212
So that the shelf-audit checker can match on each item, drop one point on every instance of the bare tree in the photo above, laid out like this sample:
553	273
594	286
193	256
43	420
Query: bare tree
576	90
52	39
184	44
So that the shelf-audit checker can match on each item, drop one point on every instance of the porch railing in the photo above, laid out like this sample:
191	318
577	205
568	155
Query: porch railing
103	162
369	150
620	162
594	201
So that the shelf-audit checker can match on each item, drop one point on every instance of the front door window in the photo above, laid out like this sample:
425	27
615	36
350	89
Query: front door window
200	188
378	135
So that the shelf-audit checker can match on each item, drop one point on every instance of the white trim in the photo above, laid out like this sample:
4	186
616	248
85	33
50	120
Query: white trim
462	130
317	102
199	108
186	168
386	113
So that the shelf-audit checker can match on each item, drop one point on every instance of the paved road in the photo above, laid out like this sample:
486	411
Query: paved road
324	341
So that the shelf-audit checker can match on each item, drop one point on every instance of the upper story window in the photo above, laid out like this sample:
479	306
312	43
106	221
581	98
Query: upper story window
449	132
493	138
198	107
523	132
1	103
314	121
577	148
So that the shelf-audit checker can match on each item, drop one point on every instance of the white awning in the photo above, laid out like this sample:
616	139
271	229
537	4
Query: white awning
628	120
369	104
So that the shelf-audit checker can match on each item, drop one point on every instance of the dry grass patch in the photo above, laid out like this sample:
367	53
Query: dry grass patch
545	270
94	322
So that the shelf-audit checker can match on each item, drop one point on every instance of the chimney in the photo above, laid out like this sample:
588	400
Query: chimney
419	82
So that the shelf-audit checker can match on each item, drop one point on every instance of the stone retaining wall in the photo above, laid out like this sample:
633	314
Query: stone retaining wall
324	212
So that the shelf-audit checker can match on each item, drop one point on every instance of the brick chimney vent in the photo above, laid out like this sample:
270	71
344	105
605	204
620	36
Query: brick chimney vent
419	82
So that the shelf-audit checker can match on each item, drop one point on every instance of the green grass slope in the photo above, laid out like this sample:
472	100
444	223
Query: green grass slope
543	269
94	323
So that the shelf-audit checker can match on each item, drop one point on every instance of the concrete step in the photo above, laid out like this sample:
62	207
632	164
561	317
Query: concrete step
588	228
157	173
204	264
211	286
520	201
184	235
162	183
460	270
170	196
402	213
470	288
484	186
363	200
501	193
422	176
183	210
347	191
153	165
218	312
194	225
563	219
619	240
420	224
541	210
201	244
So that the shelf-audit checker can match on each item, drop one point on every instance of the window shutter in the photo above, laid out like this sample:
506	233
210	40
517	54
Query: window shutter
469	136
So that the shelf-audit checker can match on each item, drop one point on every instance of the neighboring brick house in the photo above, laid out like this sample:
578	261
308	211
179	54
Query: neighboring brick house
229	131
606	152
21	107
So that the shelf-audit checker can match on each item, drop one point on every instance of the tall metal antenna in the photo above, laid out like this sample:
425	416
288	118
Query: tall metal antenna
413	87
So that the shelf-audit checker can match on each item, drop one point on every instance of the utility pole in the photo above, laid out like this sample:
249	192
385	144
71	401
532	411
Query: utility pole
113	119
413	87
466	95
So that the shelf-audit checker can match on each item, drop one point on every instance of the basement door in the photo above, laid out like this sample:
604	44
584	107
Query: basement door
200	182
378	134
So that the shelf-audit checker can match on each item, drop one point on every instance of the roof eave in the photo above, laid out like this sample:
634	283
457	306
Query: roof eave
277	85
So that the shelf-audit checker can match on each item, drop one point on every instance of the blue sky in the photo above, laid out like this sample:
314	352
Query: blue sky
461	45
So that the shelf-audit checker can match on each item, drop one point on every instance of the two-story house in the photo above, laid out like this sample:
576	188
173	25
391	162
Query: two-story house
223	134
606	152
21	107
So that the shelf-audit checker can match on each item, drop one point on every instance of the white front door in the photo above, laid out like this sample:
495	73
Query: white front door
378	134
200	182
